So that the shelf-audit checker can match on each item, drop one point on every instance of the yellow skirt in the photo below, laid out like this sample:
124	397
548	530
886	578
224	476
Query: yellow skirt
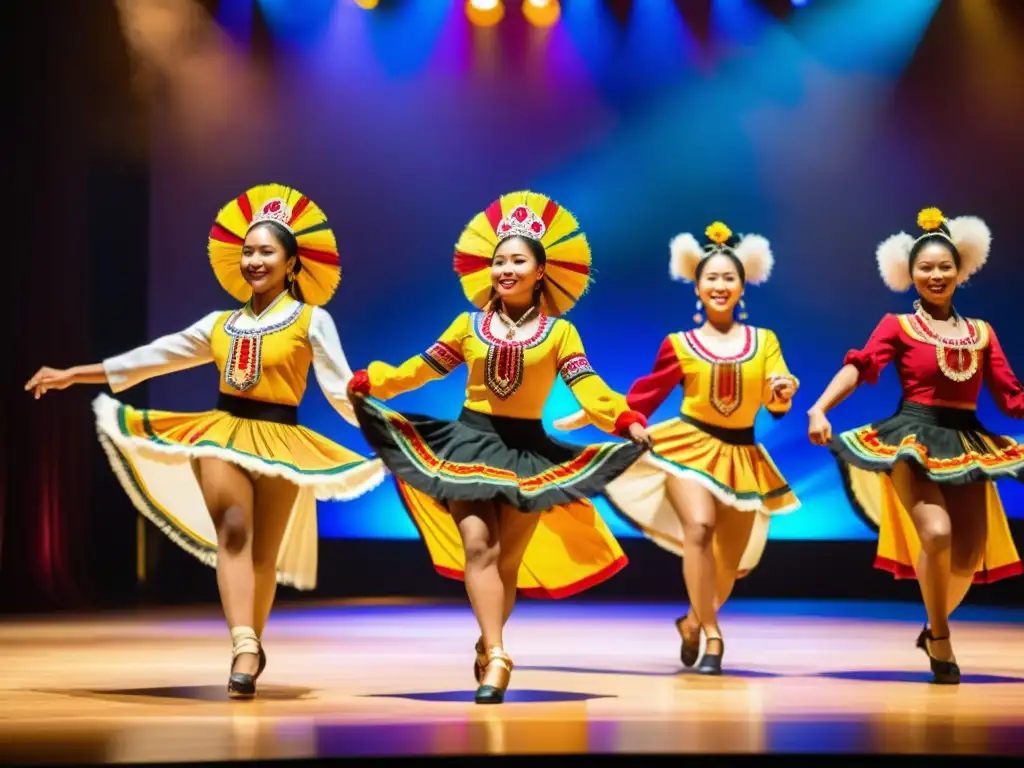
571	550
151	452
741	476
875	495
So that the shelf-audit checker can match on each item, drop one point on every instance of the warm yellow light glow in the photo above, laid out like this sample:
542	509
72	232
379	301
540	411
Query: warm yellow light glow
542	13
366	4
485	13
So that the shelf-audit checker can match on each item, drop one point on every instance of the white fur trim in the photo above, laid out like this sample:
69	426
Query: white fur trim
685	254
893	256
342	487
755	254
973	240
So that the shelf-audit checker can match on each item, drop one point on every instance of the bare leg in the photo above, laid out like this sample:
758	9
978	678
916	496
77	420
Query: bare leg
927	506
696	507
969	529
732	533
228	493
271	511
478	526
515	529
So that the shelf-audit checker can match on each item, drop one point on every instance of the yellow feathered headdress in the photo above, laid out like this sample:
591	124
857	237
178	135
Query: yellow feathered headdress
532	215
968	234
319	272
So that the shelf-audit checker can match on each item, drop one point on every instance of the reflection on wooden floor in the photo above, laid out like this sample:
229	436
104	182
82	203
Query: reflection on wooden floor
376	679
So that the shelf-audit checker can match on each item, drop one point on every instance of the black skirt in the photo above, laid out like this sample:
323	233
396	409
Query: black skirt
946	445
490	458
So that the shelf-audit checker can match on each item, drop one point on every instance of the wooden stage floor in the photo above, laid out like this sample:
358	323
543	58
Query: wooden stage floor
394	679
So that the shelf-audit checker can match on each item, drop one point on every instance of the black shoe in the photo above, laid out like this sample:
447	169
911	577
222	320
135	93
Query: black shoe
242	685
690	649
944	672
711	663
498	672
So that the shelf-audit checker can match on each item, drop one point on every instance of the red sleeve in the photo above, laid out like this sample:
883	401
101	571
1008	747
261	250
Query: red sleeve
650	391
1001	381
877	353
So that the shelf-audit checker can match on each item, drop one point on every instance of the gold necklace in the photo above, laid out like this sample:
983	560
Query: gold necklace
511	334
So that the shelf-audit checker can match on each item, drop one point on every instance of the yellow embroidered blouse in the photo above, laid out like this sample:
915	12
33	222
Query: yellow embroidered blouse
263	357
511	379
720	391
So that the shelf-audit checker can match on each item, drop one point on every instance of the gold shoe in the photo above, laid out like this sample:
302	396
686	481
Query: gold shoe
480	663
497	675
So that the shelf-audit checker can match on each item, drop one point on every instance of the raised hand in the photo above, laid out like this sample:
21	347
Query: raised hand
46	379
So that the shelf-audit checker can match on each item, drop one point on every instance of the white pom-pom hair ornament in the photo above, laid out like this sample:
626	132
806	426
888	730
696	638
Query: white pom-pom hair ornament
969	234
753	251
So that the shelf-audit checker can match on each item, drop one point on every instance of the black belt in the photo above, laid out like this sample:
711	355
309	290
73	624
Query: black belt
258	410
728	435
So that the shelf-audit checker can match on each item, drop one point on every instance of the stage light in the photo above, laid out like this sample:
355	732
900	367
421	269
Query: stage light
366	4
542	13
485	13
799	3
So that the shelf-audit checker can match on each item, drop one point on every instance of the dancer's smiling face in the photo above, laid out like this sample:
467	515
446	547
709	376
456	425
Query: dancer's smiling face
517	268
719	285
266	260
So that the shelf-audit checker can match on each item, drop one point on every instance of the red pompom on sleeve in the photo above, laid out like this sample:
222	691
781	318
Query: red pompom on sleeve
359	384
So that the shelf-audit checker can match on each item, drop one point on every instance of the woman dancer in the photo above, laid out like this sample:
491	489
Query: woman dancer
924	475
471	484
237	486
708	489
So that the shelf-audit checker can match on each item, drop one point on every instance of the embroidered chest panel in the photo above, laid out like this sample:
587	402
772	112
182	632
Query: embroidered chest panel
243	368
958	359
505	364
726	372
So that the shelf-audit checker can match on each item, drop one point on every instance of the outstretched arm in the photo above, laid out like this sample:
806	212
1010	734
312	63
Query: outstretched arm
385	381
330	364
1001	381
175	352
605	408
647	393
780	385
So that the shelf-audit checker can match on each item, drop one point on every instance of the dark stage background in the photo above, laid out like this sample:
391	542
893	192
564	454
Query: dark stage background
824	127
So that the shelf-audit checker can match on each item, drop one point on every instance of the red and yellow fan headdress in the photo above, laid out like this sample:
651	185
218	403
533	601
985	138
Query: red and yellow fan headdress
532	215
320	270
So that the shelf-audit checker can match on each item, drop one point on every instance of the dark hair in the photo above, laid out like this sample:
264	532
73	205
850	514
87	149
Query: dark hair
728	253
291	248
942	237
536	250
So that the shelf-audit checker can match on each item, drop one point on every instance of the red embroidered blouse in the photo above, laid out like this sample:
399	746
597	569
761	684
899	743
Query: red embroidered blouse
938	371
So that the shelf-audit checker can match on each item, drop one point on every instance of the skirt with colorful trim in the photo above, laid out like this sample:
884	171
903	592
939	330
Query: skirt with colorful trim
152	454
515	465
735	469
948	446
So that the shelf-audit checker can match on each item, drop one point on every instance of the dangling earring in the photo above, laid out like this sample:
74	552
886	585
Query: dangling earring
291	278
743	310
697	319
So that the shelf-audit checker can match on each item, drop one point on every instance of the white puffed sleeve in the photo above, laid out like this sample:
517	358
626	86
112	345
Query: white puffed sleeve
175	352
329	363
